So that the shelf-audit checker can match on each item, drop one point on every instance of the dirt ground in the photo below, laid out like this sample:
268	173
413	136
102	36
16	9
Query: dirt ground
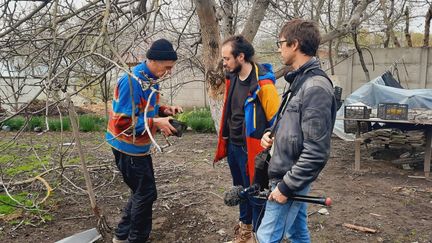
190	207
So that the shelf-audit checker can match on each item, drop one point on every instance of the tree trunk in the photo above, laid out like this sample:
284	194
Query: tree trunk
210	34
407	33
396	42
343	30
351	24
427	27
318	9
360	53
227	19
255	18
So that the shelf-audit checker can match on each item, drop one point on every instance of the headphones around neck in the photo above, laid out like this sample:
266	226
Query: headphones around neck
290	76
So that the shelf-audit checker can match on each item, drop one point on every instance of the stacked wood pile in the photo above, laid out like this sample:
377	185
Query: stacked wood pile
415	138
420	115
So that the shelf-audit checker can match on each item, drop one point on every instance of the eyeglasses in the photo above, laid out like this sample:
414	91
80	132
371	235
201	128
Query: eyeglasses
278	43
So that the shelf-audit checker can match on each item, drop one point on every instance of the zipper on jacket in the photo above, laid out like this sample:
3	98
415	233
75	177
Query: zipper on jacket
254	115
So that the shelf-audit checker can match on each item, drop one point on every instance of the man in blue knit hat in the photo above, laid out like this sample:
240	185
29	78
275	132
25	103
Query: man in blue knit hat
130	141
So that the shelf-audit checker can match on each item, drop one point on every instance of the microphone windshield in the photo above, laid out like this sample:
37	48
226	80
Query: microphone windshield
231	196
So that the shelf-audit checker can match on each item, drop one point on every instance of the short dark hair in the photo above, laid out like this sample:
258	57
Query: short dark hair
239	45
306	32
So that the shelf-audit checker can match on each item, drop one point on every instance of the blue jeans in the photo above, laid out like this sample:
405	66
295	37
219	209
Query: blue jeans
289	220
251	211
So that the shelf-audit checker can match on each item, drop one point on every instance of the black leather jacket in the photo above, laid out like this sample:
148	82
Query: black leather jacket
302	137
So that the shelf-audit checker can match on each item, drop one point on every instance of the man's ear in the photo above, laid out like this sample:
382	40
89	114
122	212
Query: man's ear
296	45
241	56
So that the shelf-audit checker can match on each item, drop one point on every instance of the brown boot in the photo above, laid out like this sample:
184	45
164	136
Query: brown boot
243	233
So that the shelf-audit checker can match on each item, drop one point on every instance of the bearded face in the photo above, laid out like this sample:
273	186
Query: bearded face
230	63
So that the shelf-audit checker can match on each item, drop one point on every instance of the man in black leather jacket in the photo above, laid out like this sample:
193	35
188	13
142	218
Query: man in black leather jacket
301	143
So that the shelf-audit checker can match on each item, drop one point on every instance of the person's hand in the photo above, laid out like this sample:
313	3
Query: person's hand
163	124
277	196
172	110
266	140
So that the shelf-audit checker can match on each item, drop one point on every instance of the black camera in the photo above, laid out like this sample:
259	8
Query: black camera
179	126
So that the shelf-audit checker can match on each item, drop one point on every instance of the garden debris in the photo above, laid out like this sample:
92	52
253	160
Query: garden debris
87	236
375	214
420	115
407	167
323	211
68	144
359	228
221	232
393	136
11	216
409	160
404	190
38	107
37	129
416	177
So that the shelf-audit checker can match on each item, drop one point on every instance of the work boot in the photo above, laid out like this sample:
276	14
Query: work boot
117	240
243	233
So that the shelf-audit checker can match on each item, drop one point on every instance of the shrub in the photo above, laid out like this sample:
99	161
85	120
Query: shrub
91	123
15	123
87	123
55	124
199	120
36	121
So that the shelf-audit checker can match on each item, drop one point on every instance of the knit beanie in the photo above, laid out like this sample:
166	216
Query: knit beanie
162	49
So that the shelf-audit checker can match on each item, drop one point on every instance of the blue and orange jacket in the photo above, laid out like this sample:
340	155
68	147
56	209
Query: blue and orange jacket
260	110
119	131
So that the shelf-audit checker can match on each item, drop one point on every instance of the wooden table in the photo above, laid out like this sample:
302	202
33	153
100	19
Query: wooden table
426	126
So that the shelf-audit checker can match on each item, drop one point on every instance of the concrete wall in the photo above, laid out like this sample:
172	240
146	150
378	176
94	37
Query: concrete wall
28	91
183	91
31	88
414	66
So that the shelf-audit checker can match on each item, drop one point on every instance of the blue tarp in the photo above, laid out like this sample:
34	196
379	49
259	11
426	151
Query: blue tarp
375	92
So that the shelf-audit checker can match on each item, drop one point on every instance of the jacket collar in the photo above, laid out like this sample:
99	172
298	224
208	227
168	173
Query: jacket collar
309	65
143	72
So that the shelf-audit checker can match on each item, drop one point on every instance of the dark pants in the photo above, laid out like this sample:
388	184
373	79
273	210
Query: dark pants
136	222
252	210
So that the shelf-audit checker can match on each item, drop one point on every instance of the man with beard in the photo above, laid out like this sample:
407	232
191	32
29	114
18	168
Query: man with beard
250	105
301	144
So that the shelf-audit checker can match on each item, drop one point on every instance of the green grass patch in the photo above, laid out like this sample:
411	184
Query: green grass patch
8	206
87	123
6	158
29	164
14	208
91	123
199	120
36	121
15	123
55	124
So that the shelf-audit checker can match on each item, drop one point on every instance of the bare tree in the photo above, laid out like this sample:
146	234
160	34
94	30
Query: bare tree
15	85
406	30
427	26
390	17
